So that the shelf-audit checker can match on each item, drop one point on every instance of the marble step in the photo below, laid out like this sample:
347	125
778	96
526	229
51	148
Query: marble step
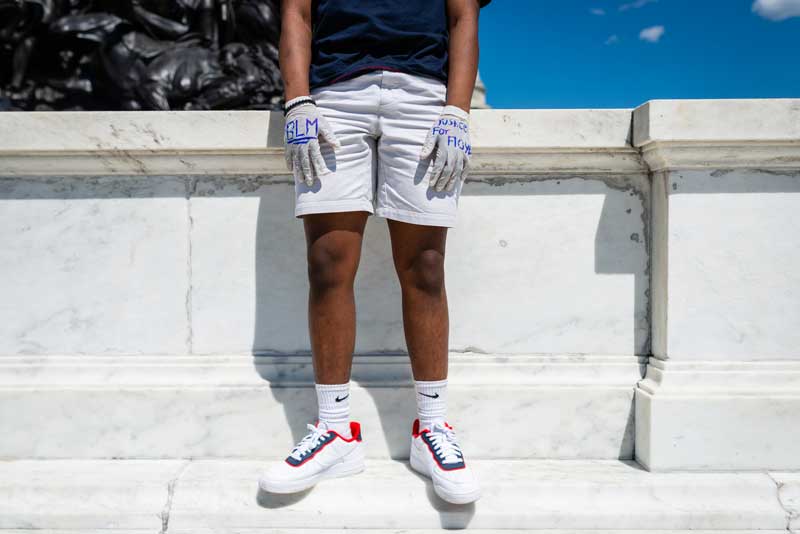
257	407
222	496
383	531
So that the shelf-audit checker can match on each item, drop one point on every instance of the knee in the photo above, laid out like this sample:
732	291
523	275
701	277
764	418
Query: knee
329	268
427	272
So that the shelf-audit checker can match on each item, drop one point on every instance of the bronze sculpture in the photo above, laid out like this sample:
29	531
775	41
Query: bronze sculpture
139	54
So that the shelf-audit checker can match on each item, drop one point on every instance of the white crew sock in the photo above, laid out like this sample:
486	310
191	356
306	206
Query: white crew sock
431	402
334	407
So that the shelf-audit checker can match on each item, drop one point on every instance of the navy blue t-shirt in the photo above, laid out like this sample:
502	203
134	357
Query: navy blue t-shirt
351	37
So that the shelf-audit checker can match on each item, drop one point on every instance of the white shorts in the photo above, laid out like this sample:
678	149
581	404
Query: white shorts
381	119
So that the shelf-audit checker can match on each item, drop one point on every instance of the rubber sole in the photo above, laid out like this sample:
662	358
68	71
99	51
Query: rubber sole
351	464
452	498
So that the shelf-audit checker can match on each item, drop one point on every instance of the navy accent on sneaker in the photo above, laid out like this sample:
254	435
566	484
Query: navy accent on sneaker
452	466
291	460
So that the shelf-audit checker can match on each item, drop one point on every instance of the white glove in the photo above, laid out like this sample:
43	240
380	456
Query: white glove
450	136
304	126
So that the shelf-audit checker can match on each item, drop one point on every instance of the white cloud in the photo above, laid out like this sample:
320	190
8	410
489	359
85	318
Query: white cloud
636	4
777	9
599	11
652	34
614	39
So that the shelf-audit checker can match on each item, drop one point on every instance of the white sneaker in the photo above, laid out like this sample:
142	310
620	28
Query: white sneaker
436	454
321	454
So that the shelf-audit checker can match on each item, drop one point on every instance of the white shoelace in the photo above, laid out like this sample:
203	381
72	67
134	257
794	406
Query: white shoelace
316	434
444	443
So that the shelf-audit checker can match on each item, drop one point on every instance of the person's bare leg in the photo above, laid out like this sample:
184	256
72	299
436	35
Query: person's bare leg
419	260
334	250
418	253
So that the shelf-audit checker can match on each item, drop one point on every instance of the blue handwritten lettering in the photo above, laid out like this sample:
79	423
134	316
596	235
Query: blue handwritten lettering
291	130
309	124
294	135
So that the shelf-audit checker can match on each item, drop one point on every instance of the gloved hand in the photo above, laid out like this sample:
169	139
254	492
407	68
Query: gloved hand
449	135
304	126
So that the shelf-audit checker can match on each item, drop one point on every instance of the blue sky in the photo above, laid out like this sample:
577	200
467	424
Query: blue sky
592	54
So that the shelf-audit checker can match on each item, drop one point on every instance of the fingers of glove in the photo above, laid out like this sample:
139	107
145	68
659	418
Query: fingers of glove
305	165
449	169
428	171
427	148
297	171
457	174
326	133
439	161
317	161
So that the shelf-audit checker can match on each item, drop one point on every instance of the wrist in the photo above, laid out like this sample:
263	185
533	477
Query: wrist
293	89
297	102
457	112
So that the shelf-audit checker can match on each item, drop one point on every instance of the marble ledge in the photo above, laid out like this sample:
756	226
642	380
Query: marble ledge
250	142
255	131
720	121
222	496
270	162
714	378
782	157
466	369
722	134
757	133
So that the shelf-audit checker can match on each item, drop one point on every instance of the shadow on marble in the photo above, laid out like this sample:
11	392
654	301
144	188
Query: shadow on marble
633	465
397	410
395	406
626	447
274	501
451	516
622	230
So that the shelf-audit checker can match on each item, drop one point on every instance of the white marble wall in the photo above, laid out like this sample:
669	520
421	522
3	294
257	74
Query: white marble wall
201	257
734	251
723	391
143	236
535	266
550	255
93	265
538	265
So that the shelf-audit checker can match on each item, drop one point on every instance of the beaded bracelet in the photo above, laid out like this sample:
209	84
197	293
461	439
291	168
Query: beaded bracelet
298	102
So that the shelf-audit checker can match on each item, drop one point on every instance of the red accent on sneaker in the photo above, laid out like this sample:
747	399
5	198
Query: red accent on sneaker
355	435
355	432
